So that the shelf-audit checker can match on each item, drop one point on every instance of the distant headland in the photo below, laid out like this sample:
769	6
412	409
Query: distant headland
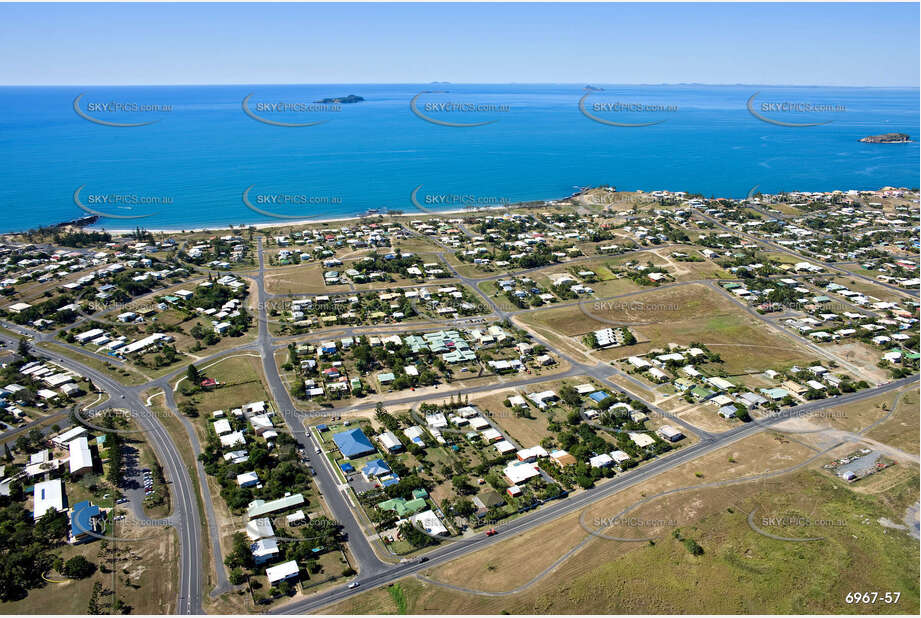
887	138
352	98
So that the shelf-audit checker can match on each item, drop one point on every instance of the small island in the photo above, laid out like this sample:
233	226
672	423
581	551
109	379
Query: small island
349	99
591	88
887	138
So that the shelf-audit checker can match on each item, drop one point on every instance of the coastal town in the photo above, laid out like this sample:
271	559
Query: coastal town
280	418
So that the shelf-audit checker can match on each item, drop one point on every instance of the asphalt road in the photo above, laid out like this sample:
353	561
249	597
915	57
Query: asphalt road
327	483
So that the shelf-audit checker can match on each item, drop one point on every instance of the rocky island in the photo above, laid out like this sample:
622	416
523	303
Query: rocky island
349	99
887	138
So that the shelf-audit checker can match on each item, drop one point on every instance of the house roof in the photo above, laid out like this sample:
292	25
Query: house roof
81	518
353	443
48	495
402	507
257	508
260	528
375	467
80	457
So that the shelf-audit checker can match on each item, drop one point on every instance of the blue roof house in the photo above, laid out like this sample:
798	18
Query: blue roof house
83	521
375	468
353	443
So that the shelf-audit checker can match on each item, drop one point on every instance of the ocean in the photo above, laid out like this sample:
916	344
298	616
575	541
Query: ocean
190	167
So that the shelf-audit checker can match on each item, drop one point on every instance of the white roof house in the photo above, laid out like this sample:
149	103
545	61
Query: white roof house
720	383
68	435
248	479
143	344
436	421
296	518
58	379
264	550
670	433
389	441
519	472
639	363
260	528
601	461
283	571
48	495
532	453
233	439
254	407
429	522
261	423
492	435
641	439
222	426
80	457
414	432
542	397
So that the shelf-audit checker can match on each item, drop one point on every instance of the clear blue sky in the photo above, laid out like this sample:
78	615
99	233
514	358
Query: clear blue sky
869	44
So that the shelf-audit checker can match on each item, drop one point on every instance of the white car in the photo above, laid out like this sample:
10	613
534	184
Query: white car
353	585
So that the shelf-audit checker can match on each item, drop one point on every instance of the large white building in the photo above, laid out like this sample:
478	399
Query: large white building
47	495
81	460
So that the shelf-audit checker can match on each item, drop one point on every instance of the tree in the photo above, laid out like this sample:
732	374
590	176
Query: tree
193	375
569	395
236	576
462	484
79	567
693	547
25	348
414	536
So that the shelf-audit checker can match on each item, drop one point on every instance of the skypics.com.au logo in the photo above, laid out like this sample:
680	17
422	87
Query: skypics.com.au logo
286	205
122	421
782	113
432	203
118	113
290	114
630	114
437	111
132	204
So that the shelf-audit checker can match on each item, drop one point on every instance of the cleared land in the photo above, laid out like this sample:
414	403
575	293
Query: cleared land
682	315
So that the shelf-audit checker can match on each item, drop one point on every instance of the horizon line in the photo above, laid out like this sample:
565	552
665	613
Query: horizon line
449	83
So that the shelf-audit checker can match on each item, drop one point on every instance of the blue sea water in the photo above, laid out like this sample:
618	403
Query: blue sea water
199	157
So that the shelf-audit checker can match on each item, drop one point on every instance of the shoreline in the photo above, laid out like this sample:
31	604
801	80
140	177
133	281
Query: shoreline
298	222
262	226
358	217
